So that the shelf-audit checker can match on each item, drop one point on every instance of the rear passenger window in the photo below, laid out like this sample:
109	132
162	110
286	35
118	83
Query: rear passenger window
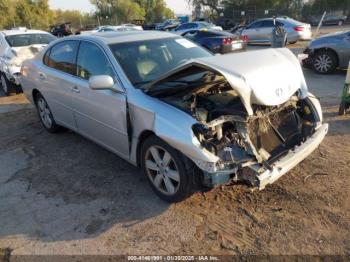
62	57
92	62
268	23
255	25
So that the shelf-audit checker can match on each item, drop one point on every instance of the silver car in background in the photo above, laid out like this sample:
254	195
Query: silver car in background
260	31
183	115
328	52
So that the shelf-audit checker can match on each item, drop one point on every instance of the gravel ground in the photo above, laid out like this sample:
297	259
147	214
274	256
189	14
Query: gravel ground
62	194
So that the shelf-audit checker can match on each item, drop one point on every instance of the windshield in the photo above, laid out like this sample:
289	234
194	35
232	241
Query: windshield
29	39
146	61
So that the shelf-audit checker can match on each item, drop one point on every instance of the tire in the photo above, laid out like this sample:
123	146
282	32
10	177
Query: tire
325	62
6	85
168	176
342	108
340	23
45	114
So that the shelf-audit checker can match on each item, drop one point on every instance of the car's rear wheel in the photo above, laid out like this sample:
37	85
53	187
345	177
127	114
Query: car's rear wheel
324	62
7	86
166	170
45	114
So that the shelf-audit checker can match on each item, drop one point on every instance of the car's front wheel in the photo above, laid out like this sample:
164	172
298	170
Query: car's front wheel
324	62
166	170
45	114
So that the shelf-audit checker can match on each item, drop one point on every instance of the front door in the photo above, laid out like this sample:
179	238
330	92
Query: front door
100	114
253	31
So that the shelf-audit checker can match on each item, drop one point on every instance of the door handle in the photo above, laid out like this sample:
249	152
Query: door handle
75	89
42	76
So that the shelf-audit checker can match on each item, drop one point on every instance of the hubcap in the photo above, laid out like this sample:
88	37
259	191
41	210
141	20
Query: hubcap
4	84
162	170
44	113
323	63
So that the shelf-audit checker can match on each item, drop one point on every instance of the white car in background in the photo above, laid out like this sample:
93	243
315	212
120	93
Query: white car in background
195	25
17	46
120	28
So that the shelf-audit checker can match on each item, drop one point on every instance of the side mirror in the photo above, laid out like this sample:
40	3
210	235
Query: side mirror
104	82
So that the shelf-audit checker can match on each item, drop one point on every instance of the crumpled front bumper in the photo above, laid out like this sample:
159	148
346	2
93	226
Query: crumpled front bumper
285	164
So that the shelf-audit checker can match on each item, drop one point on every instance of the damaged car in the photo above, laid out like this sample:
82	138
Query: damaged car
187	118
15	47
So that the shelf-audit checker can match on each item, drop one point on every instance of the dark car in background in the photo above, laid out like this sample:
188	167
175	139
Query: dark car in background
226	23
216	41
196	25
168	25
61	30
328	52
329	19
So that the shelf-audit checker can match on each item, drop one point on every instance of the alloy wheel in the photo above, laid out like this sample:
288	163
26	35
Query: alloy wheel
162	170
323	63
44	112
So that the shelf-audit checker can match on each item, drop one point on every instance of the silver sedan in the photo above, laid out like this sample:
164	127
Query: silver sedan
260	31
186	117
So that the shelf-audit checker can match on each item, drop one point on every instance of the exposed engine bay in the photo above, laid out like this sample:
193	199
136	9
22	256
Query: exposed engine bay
226	130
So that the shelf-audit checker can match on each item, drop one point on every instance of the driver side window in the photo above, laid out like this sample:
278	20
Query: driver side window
92	62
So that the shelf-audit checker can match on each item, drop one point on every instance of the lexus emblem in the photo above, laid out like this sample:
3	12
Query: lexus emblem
279	91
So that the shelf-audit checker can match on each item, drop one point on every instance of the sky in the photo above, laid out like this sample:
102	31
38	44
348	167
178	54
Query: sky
178	6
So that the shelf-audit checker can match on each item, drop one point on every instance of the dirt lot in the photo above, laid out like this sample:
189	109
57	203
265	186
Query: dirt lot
62	194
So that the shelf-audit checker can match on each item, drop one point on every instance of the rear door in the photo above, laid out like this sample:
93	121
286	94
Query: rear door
100	114
56	79
266	31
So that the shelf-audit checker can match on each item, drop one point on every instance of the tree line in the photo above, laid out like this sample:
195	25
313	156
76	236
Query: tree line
38	14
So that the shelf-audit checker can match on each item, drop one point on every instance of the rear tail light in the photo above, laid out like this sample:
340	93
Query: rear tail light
226	41
299	28
244	38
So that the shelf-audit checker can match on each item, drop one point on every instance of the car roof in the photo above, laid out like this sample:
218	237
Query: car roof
281	19
22	32
220	33
127	36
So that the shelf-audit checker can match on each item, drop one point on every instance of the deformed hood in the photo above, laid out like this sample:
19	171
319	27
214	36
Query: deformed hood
265	77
